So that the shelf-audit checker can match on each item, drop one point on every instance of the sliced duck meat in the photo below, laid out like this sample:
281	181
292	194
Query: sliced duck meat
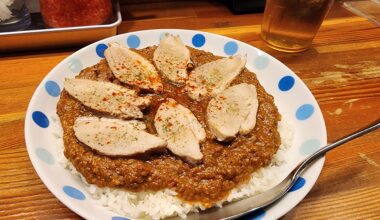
233	111
180	128
132	68
107	97
115	137
172	59
212	78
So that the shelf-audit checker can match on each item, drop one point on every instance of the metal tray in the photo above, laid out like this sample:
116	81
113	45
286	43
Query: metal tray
37	36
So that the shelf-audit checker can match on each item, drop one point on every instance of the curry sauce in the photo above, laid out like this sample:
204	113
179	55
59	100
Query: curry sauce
224	166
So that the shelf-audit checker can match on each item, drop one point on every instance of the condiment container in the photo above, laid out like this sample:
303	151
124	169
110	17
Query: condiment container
68	13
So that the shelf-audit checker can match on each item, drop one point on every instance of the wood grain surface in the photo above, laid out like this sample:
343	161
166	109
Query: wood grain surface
342	69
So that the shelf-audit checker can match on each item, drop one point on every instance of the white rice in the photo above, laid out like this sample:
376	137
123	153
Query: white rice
154	205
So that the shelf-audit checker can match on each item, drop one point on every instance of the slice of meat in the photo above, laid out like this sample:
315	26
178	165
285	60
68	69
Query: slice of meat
107	97
180	128
172	58
212	78
233	111
132	68
115	137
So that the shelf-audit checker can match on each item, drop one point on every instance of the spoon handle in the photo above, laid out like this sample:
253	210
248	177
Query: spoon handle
371	127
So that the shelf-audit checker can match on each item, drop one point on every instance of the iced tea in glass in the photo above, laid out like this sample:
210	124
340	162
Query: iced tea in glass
291	25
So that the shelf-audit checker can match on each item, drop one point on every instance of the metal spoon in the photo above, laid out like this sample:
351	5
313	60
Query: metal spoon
245	206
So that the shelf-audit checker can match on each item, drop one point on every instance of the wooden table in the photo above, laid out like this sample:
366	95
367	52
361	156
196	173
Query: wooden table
342	69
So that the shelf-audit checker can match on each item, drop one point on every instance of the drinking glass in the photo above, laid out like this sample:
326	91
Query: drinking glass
14	15
291	25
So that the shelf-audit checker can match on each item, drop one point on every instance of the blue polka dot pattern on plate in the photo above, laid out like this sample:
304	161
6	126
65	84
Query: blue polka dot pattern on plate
300	182
74	193
261	62
256	215
75	65
133	41
119	218
310	146
230	48
52	88
40	119
304	112
286	83
45	155
100	48
198	40
162	35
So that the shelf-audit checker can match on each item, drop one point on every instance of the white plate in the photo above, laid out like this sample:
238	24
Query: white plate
294	100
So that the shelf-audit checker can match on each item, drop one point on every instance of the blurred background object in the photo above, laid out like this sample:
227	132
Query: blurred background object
41	36
291	25
14	15
63	13
369	9
151	14
245	6
236	6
